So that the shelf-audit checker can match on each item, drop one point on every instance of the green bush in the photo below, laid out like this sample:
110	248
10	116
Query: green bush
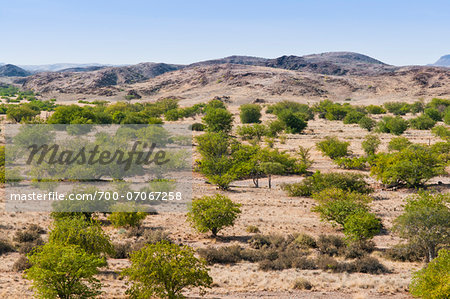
126	215
359	163
293	122
413	166
212	213
393	125
441	131
433	113
87	234
197	127
432	282
218	120
255	131
353	117
333	147
302	284
371	144
406	253
367	123
398	143
361	226
439	104
422	122
425	222
374	109
64	271
397	108
302	110
164	270
250	113
320	181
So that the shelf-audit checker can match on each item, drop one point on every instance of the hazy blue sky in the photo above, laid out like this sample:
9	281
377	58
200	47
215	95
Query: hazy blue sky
398	32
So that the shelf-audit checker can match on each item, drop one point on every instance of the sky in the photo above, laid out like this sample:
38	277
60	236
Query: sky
397	32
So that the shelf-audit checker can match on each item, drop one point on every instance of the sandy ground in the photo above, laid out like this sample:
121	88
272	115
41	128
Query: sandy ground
272	211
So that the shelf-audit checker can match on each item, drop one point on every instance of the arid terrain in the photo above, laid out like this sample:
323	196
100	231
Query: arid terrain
354	79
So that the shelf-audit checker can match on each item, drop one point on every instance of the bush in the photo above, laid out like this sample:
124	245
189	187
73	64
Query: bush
405	253
371	144
318	182
446	117
85	233
336	205
398	143
330	245
221	255
25	236
423	122
358	249
367	123
293	122
126	215
64	271
164	270
424	222
252	229
333	147
5	246
302	284
218	120
369	265
432	282
393	125
302	110
412	166
441	131
198	127
212	213
353	117
250	113
305	241
21	264
255	131
359	163
121	250
397	108
361	226
433	113
374	109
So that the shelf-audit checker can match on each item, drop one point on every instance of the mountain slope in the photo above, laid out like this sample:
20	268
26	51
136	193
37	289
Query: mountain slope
443	61
10	70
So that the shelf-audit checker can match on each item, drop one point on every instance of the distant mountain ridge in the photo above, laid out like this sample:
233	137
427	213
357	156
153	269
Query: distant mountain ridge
443	61
60	66
10	70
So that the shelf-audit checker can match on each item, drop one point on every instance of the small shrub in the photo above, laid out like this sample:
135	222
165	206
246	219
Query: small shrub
359	163
121	250
432	282
330	245
21	264
250	113
27	247
353	117
218	120
369	265
371	144
374	109
302	284
361	226
293	122
326	262
25	236
397	108
5	246
422	122
441	131
305	241
433	113
154	236
252	229
212	213
333	147
126	215
221	255
367	123
358	249
393	125
406	253
398	143
198	127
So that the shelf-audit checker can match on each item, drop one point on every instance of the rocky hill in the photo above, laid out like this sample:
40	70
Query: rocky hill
10	70
443	61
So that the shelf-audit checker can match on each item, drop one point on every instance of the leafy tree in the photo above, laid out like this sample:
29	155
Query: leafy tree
333	147
353	117
64	271
271	168
294	122
422	122
367	123
212	213
425	222
218	120
302	110
398	143
126	215
394	125
164	270
250	113
412	166
21	112
79	231
371	144
432	282
361	226
433	113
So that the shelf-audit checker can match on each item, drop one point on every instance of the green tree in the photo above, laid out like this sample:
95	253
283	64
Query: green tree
425	222
21	112
371	144
164	270
422	122
218	120
367	123
294	122
333	147
271	168
250	113
126	215
64	271
398	143
212	213
433	282
394	125
361	226
80	231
